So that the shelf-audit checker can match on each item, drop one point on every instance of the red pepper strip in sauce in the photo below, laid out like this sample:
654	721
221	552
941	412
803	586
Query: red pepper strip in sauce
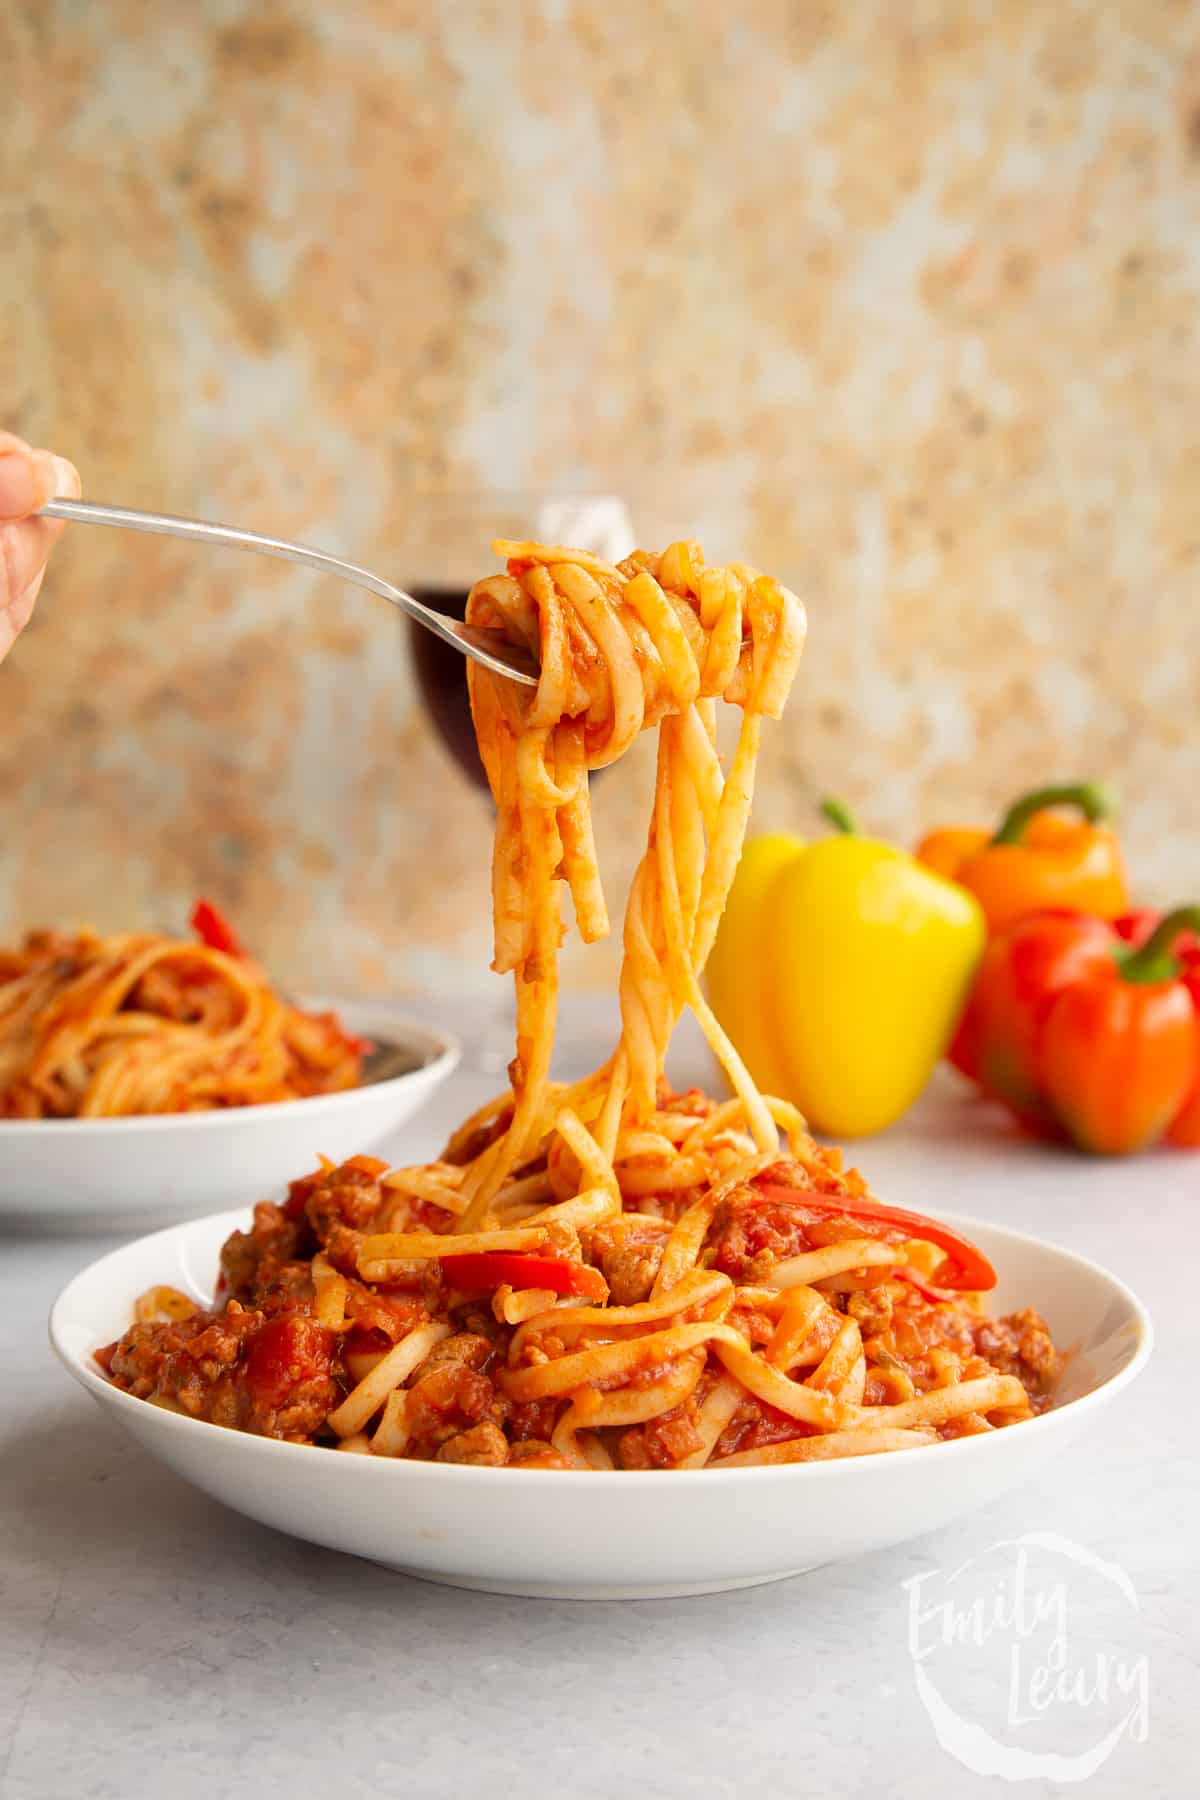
939	1296
969	1269
518	1269
213	928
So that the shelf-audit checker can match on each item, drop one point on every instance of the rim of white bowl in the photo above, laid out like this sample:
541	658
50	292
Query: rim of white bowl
440	1050
835	1468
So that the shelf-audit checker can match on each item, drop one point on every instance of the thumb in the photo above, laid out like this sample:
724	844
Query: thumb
28	478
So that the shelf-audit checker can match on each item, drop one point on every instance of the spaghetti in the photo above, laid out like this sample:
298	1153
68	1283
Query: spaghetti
606	1274
95	1027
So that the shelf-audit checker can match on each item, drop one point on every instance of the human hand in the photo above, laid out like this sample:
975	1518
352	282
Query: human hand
28	478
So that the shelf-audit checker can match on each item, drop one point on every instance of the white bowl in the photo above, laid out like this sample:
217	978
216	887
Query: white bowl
614	1535
112	1173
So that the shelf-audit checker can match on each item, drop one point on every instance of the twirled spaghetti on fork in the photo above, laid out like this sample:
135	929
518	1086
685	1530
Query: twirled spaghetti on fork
606	1274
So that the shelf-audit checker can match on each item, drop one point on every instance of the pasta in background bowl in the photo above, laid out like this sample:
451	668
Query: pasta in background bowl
116	1173
96	1027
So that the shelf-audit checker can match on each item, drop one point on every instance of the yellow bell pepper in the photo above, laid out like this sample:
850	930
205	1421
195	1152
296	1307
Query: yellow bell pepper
840	970
734	965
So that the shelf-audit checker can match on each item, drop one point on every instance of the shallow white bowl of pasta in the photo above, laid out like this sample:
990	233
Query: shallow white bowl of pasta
613	1535
108	1174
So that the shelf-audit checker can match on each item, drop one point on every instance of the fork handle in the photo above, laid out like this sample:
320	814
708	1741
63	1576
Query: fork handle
87	512
485	646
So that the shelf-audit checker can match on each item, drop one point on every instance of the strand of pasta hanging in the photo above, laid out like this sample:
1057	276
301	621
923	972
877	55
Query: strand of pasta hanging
654	641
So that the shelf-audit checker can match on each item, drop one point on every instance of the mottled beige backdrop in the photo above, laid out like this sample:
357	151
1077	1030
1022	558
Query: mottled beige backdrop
899	301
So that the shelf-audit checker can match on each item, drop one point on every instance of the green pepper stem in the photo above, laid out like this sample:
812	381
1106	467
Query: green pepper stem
840	817
1154	961
1093	800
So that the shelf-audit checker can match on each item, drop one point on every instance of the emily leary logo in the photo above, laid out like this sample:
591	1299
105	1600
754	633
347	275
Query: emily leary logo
1026	1659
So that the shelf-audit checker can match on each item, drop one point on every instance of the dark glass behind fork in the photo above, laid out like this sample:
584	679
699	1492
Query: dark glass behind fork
442	680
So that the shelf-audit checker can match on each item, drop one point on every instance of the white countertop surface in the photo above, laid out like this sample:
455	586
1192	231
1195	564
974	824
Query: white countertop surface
152	1643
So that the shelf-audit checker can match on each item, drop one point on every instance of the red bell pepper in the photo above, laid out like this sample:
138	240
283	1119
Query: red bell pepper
1135	928
966	1268
1021	971
487	1269
1117	1052
213	928
1184	1130
1091	1031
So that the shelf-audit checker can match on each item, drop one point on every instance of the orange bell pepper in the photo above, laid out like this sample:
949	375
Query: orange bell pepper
1037	860
1117	1054
950	848
1184	1130
1085	1036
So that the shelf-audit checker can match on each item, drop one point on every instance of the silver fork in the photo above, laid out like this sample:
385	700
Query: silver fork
490	648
